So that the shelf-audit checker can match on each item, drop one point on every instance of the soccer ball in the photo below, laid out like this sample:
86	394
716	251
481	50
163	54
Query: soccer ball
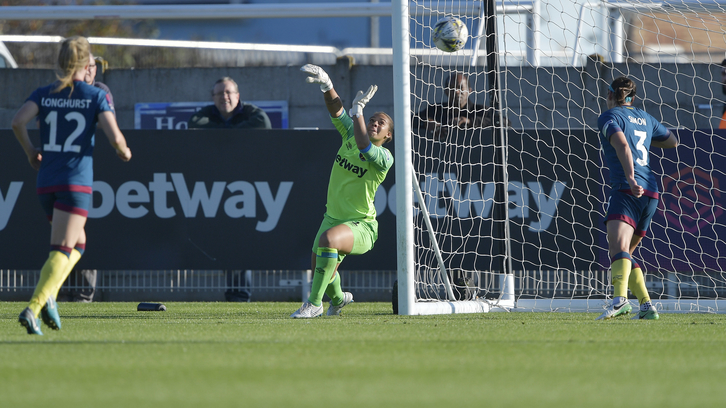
449	34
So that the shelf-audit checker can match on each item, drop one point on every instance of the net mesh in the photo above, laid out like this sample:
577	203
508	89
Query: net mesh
555	61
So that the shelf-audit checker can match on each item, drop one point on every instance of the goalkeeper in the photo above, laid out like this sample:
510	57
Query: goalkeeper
349	224
626	134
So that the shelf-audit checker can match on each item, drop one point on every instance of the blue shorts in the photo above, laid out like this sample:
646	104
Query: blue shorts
637	212
73	202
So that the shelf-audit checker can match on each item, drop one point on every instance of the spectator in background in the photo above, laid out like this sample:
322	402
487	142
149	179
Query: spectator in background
91	79
722	124
84	280
457	112
228	111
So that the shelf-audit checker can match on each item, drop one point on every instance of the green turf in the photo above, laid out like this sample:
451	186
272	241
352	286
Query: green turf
251	354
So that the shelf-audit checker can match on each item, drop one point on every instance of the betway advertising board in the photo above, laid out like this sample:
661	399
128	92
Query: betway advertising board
230	199
225	199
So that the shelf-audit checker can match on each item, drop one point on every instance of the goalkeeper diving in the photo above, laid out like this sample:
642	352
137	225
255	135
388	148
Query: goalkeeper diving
349	224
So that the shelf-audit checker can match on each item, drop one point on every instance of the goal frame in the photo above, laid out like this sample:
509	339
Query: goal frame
407	184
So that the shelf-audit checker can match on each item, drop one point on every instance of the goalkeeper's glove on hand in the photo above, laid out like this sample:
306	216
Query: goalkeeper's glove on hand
361	99
317	75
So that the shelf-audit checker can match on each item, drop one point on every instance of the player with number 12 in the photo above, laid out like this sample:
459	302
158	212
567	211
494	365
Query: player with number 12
67	111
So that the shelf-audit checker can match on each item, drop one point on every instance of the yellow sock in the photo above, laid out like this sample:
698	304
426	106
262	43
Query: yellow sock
636	283
73	260
49	276
620	270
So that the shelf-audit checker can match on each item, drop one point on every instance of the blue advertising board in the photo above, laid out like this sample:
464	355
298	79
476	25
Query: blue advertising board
686	233
689	228
174	115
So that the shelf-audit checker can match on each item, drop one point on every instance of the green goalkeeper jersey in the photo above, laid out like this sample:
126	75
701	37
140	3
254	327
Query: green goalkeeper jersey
355	176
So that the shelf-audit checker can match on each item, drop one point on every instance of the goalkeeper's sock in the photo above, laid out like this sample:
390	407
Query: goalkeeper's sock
49	277
334	291
73	259
636	283
620	270
325	261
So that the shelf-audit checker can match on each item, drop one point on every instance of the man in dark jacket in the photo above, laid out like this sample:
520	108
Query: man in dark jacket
228	111
457	112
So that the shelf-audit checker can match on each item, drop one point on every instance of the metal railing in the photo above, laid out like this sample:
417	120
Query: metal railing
201	284
283	285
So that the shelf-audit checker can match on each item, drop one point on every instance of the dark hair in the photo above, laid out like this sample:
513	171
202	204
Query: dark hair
453	80
226	79
623	89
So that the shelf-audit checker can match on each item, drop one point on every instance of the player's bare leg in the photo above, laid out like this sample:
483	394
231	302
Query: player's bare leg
338	239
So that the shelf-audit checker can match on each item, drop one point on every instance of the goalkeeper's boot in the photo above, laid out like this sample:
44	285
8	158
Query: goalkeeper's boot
650	314
616	310
49	314
334	310
30	322
307	311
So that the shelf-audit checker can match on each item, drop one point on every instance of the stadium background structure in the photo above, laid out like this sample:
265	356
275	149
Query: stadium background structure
591	98
697	105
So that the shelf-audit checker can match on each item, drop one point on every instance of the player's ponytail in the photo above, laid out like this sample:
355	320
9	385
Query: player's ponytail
73	56
624	90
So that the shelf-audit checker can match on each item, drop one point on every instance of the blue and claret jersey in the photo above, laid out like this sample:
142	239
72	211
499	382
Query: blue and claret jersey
640	128
67	127
355	176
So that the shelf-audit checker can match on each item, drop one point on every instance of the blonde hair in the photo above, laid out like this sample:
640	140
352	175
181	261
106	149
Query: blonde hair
73	56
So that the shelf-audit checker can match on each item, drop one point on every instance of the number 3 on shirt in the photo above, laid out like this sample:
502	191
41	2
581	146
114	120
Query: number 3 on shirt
68	146
643	161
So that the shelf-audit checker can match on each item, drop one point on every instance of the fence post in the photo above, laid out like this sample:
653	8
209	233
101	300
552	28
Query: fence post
307	282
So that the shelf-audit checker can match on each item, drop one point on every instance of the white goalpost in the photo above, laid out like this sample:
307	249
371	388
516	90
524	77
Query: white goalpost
438	273
507	214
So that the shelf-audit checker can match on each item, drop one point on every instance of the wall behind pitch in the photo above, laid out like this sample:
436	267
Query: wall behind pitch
189	200
536	97
230	199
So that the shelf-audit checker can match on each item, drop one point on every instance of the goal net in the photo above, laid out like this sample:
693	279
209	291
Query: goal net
507	194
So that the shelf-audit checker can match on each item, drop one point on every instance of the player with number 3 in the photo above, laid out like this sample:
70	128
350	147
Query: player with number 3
626	135
67	111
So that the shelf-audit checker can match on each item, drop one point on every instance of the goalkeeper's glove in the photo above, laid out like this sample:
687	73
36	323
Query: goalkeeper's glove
361	99
317	75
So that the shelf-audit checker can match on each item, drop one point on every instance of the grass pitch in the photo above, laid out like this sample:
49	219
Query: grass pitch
251	354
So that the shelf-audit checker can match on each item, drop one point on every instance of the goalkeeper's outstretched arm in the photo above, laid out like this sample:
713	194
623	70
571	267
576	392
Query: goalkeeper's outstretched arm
362	139
333	103
317	75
